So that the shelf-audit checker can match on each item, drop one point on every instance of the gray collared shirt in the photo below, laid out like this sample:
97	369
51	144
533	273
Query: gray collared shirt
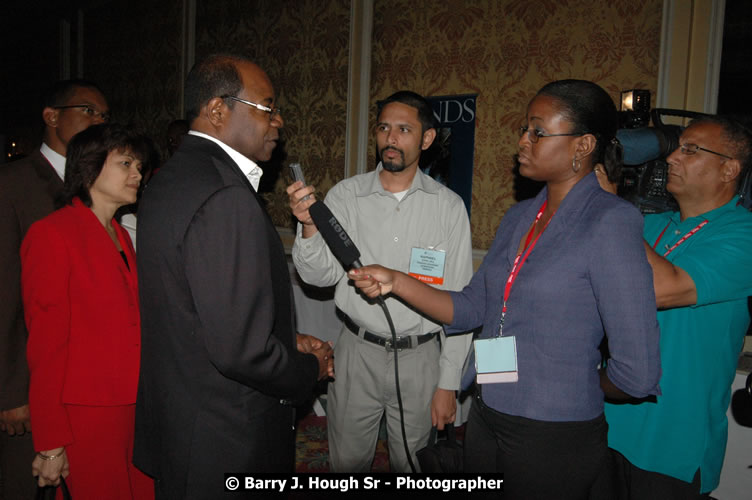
429	216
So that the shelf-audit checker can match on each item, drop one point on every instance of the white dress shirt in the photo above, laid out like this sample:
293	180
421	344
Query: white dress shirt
56	160
248	167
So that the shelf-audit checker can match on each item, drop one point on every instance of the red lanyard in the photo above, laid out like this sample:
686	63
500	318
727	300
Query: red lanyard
683	238
519	261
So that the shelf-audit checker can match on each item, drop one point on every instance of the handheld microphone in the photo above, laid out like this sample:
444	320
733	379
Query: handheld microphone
335	236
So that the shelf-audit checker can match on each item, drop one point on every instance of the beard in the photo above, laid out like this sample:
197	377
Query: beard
392	166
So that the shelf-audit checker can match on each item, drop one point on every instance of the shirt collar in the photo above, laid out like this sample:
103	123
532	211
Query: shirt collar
711	215
420	182
55	159
247	166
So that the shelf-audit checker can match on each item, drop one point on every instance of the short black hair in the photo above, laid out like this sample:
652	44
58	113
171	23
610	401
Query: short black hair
592	111
736	135
61	91
215	76
417	101
86	155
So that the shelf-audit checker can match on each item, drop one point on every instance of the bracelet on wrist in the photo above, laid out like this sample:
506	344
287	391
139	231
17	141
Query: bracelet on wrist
49	457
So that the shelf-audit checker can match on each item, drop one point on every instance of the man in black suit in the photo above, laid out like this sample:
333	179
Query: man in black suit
28	188
219	367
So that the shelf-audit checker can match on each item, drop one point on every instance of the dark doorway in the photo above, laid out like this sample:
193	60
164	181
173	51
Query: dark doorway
736	62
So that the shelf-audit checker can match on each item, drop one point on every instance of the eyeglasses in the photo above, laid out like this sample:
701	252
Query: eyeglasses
273	112
690	149
534	134
89	110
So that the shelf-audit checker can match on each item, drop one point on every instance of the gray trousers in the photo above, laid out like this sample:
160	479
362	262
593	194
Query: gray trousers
364	389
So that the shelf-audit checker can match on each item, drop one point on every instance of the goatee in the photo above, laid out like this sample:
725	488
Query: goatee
391	166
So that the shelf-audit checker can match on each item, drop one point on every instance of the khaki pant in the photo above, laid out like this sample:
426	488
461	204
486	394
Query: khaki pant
364	389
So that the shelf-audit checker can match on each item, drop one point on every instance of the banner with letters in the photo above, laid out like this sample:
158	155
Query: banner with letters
450	160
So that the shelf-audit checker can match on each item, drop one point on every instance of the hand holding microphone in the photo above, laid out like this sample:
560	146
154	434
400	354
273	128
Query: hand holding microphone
373	280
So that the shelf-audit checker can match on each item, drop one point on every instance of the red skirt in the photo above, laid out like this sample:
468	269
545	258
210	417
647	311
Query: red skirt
101	455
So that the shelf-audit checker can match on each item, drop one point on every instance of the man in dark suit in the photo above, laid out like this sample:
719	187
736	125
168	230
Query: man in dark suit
28	188
219	365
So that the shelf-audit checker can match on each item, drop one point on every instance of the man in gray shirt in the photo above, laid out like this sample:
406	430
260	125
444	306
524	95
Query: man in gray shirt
401	218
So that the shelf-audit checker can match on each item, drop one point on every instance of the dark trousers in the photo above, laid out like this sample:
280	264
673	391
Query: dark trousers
16	454
540	460
634	483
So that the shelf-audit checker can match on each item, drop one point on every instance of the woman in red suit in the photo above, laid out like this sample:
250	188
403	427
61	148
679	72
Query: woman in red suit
80	298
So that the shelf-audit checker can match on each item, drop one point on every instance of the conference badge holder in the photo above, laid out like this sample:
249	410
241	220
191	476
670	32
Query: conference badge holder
427	265
496	360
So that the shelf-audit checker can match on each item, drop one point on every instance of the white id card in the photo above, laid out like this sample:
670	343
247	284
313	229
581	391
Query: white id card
495	360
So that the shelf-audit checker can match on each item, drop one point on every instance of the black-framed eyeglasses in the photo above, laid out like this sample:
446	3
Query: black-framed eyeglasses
273	112
89	110
690	149
534	134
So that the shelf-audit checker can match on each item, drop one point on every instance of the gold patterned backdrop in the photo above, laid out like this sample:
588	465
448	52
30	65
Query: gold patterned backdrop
303	46
505	50
132	51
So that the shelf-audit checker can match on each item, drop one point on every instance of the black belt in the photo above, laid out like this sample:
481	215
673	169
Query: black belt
409	342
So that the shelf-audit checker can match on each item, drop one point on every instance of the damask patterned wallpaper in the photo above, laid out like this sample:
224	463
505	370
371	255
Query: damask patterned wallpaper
303	46
505	50
132	51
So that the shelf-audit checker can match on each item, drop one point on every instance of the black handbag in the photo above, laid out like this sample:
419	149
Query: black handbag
441	455
741	404
48	492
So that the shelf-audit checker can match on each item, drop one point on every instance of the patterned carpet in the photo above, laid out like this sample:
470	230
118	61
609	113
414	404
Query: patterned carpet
312	447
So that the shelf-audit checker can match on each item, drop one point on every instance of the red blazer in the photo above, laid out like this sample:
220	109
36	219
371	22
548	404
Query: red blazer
81	310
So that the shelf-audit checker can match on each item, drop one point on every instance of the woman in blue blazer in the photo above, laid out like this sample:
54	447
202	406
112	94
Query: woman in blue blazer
565	269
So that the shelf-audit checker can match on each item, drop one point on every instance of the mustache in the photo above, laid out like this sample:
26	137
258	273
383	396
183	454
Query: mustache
392	148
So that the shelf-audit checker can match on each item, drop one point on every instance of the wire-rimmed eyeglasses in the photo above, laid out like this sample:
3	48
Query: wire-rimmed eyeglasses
534	134
273	112
89	110
690	149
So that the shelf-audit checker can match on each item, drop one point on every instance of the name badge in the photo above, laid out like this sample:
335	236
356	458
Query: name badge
427	265
495	360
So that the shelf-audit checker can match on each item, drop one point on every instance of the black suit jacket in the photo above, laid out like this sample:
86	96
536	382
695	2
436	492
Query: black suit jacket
218	340
28	188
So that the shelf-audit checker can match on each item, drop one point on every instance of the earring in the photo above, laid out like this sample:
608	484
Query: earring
576	164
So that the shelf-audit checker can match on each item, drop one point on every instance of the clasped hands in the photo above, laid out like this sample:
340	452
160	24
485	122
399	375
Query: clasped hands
322	350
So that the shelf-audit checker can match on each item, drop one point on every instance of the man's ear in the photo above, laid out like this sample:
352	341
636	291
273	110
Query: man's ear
428	137
49	116
216	111
730	170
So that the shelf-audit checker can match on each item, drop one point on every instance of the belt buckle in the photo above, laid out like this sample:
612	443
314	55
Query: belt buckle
389	346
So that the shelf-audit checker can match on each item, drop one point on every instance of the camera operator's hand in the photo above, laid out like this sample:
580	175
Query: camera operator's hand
602	176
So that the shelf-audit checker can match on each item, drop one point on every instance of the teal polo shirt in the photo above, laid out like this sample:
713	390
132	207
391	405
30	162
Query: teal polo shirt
686	428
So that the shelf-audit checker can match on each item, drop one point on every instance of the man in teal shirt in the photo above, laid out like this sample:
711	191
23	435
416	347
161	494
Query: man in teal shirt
701	257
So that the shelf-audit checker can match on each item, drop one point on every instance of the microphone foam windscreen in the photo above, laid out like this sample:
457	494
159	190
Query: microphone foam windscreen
334	234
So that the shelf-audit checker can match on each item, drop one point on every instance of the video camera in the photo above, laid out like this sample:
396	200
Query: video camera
645	171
